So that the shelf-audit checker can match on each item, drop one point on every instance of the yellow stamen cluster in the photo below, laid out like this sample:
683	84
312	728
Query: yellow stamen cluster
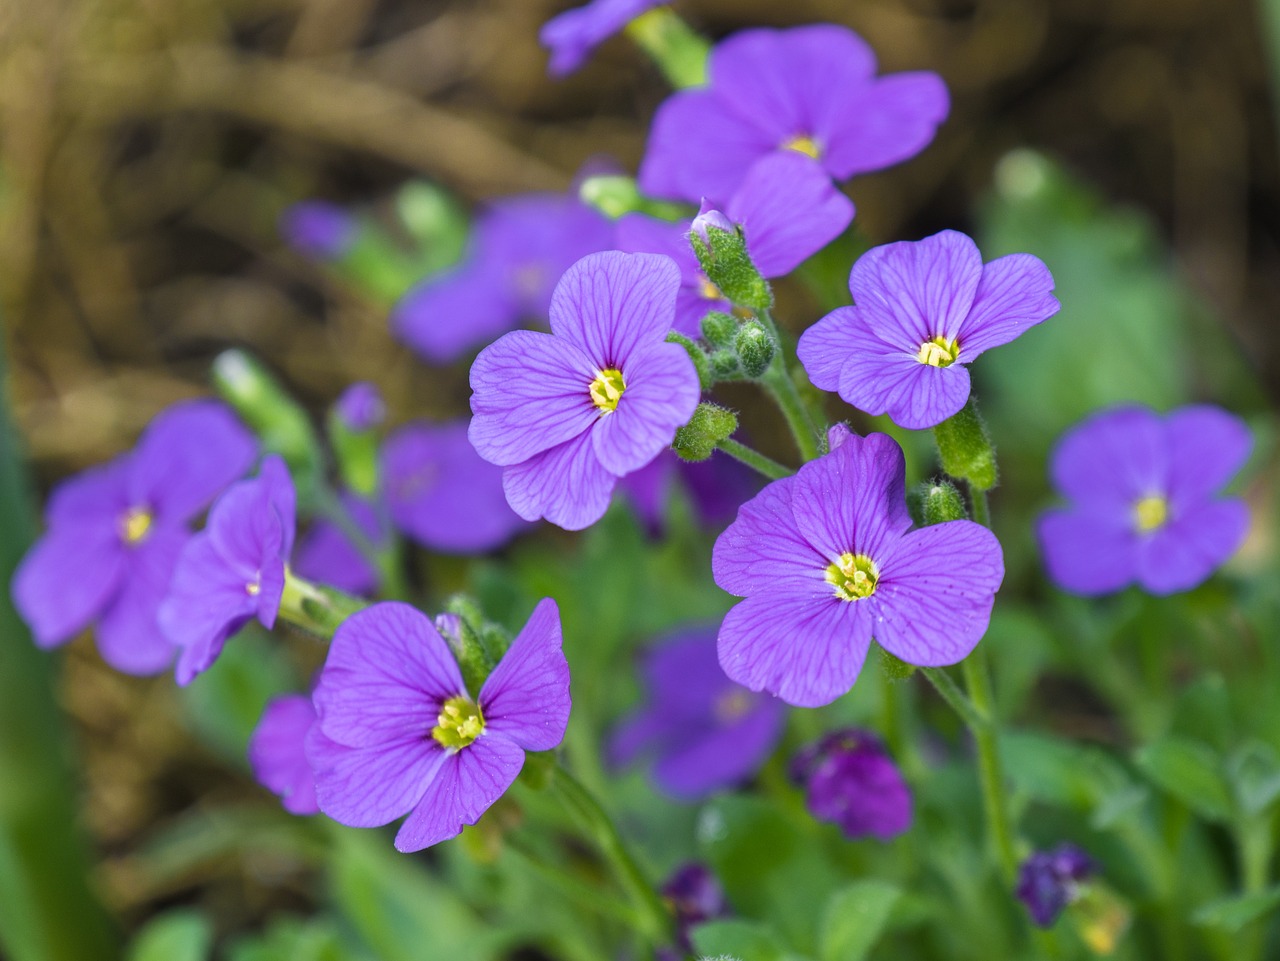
135	524
939	352
1150	514
459	723
854	576
805	145
607	389
710	291
732	706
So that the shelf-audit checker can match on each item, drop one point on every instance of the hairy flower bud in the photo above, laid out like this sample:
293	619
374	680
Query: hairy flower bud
719	328
755	347
965	448
710	425
701	362
723	256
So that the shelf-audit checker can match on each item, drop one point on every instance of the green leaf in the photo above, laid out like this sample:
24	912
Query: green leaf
1233	913
744	940
176	936
855	918
1254	770
1191	772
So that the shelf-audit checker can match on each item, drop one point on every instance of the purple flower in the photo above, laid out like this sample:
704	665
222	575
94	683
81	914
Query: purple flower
116	530
706	732
1144	505
360	407
319	229
568	413
787	209
1050	880
808	90
851	781
717	488
923	310
277	753
695	897
326	554
519	249
574	34
826	560
441	493
710	219
399	734
233	570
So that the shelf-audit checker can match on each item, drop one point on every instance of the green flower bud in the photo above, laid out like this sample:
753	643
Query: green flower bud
680	53
725	366
940	502
701	362
719	329
724	259
618	195
755	347
709	425
965	448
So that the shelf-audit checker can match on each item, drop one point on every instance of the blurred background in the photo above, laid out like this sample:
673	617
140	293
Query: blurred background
149	147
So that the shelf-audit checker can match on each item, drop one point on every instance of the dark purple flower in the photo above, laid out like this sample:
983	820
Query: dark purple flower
787	209
519	249
399	734
1144	505
574	34
851	781
327	555
233	570
705	732
923	310
568	413
115	533
826	560
277	753
319	229
695	897
360	407
716	486
808	90
1050	880
442	493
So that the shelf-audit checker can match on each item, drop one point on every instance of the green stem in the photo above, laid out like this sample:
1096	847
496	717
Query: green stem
316	609
779	385
680	53
655	918
757	461
1255	852
603	903
955	697
999	828
385	560
981	506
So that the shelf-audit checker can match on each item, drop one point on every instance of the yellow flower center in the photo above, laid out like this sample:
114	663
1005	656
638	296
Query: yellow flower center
732	706
854	576
939	352
1150	513
805	145
460	722
607	389
253	588
135	524
710	291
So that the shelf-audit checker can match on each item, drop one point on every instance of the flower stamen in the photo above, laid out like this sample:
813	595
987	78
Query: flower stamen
802	143
1150	513
135	524
459	723
854	576
607	389
939	352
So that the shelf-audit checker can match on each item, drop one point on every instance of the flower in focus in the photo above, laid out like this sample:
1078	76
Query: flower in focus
574	34
826	560
1050	880
808	90
568	413
399	734
519	248
326	554
441	493
787	209
922	311
1144	506
115	533
277	752
233	570
318	229
851	781
706	732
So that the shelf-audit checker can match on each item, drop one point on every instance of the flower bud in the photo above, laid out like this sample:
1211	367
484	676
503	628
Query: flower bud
616	195
319	230
837	434
725	366
679	51
1050	880
710	218
709	425
360	407
965	448
459	626
701	362
940	502
719	329
755	347
695	897
722	254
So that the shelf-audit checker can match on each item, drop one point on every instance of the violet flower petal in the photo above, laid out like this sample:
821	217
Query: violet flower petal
661	395
367	787
1191	546
277	752
66	578
526	698
566	484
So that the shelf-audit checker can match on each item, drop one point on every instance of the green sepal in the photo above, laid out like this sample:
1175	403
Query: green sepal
755	347
724	259
719	329
894	668
725	366
937	502
616	195
680	53
356	452
466	639
965	448
709	425
701	362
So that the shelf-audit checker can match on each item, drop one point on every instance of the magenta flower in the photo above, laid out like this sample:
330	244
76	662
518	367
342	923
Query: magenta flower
1050	880
808	90
788	210
826	559
519	248
277	753
705	732
115	532
568	413
922	311
399	734
1144	500
319	229
850	780
441	493
327	555
574	34
233	570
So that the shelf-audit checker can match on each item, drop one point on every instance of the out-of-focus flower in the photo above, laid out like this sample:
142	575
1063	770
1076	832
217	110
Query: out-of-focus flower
319	229
573	35
851	781
360	407
695	897
277	752
1050	880
327	555
716	486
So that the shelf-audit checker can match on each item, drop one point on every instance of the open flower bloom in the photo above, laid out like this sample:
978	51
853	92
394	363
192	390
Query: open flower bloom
787	209
574	34
826	560
233	570
518	250
115	533
277	752
399	733
922	311
568	413
851	781
706	732
808	90
1144	500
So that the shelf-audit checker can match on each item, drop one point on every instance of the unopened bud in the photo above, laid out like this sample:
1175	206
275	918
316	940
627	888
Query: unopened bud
353	435
965	448
940	502
701	362
709	217
723	257
319	229
755	347
719	329
709	425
